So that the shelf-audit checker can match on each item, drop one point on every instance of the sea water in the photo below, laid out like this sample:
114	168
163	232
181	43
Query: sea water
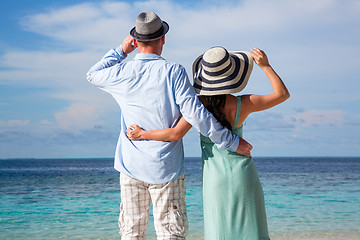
79	198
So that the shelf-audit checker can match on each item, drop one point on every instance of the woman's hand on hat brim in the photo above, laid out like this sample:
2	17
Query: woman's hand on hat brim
260	57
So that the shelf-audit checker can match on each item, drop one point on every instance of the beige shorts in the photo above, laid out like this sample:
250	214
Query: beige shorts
169	209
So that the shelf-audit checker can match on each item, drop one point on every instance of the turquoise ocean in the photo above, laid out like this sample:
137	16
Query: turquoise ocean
306	198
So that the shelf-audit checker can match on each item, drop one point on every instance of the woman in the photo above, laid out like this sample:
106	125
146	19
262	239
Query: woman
234	206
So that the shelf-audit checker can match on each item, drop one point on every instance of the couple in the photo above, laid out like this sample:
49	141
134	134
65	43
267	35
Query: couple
157	95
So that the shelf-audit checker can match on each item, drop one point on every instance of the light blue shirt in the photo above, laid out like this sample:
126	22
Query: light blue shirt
154	93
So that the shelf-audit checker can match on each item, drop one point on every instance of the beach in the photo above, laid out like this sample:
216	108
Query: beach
306	198
318	236
309	236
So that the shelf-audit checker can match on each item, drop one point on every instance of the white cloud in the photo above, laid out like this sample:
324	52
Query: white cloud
14	123
280	120
91	24
77	116
83	25
270	120
49	68
320	118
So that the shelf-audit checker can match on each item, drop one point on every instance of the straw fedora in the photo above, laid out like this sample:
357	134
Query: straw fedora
148	27
218	71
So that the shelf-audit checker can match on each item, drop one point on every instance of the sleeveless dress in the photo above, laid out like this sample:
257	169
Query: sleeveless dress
234	206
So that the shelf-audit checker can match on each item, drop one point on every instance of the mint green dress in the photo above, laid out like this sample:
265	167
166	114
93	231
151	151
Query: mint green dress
234	206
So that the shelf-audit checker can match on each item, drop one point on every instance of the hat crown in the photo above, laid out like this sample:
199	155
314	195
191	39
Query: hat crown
147	23
215	56
148	27
216	61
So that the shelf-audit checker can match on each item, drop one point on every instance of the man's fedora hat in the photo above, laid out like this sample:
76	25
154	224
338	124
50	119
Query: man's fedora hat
218	71
149	27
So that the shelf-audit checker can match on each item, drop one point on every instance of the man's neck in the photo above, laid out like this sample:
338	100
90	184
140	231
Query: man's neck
150	50
154	46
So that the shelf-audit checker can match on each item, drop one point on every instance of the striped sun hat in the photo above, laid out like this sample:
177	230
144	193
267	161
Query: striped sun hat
218	71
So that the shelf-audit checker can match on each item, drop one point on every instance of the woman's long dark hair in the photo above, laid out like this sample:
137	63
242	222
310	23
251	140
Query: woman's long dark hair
214	104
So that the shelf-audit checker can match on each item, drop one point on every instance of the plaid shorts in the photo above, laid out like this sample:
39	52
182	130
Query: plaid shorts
169	209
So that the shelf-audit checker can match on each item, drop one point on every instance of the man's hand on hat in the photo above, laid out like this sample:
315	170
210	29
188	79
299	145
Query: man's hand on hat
127	45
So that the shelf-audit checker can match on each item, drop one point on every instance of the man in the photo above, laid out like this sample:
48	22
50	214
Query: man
154	94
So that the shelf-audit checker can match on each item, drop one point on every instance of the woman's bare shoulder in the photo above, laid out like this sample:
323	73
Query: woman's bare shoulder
231	101
230	108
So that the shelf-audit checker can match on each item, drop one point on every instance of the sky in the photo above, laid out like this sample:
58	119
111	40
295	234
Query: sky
49	110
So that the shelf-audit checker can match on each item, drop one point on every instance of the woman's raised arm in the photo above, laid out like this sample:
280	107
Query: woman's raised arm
254	103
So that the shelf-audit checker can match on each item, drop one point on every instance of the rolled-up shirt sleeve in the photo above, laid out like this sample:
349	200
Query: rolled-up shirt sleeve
198	116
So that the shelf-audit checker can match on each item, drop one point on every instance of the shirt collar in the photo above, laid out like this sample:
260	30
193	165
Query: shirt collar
148	56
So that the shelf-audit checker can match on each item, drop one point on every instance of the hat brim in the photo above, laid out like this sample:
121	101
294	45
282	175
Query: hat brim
234	82
150	37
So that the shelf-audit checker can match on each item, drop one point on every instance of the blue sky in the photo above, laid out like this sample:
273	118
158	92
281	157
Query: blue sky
49	110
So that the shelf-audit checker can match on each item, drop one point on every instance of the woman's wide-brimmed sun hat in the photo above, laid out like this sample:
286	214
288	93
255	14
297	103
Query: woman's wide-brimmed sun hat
148	27
219	71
